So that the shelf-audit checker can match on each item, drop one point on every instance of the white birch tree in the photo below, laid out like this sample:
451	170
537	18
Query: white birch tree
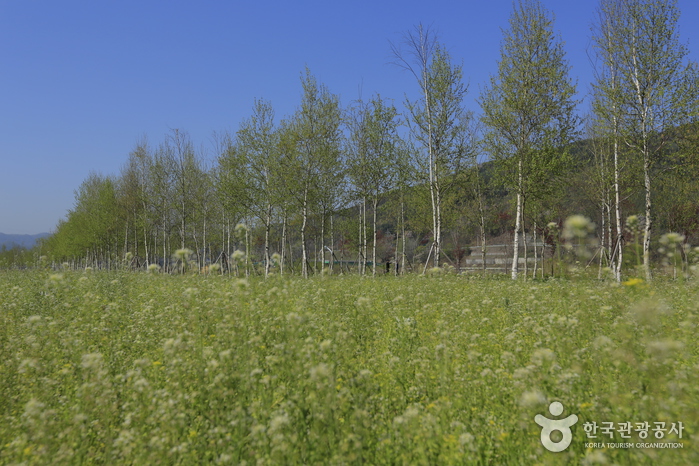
316	140
257	141
648	86
373	155
437	119
528	107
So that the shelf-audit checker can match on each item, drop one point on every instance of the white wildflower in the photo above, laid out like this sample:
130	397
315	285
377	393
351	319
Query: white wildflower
183	254
532	399
92	361
542	355
278	422
363	302
153	268
603	342
320	372
241	229
663	349
595	457
466	439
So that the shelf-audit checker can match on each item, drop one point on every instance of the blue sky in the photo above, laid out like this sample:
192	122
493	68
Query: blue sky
82	81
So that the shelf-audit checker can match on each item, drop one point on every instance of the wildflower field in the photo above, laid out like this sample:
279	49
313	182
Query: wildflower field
136	368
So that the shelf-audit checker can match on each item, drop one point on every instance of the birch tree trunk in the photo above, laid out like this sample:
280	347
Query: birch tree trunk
247	249
359	242
283	248
322	239
536	257
518	217
228	244
268	225
332	244
304	214
524	244
647	229
165	258
619	243
373	254
402	235
145	243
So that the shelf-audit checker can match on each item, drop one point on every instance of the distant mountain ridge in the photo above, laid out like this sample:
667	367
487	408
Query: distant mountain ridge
24	241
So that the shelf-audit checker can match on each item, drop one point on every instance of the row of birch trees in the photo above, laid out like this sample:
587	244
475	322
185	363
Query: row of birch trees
645	89
282	175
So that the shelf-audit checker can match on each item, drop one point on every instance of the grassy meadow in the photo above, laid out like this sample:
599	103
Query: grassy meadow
138	368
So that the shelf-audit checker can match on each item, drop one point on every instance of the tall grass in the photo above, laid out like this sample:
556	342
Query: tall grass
134	368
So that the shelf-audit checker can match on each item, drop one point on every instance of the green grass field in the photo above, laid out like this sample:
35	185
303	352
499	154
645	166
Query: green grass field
134	368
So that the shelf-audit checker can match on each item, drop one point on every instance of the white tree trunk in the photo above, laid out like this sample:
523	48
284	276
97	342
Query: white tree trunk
402	225
373	253
165	258
268	224
332	245
322	239
304	257
518	225
536	257
283	254
524	244
247	250
145	243
647	229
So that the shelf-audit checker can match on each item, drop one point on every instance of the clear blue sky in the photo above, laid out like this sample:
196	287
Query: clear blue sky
82	81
